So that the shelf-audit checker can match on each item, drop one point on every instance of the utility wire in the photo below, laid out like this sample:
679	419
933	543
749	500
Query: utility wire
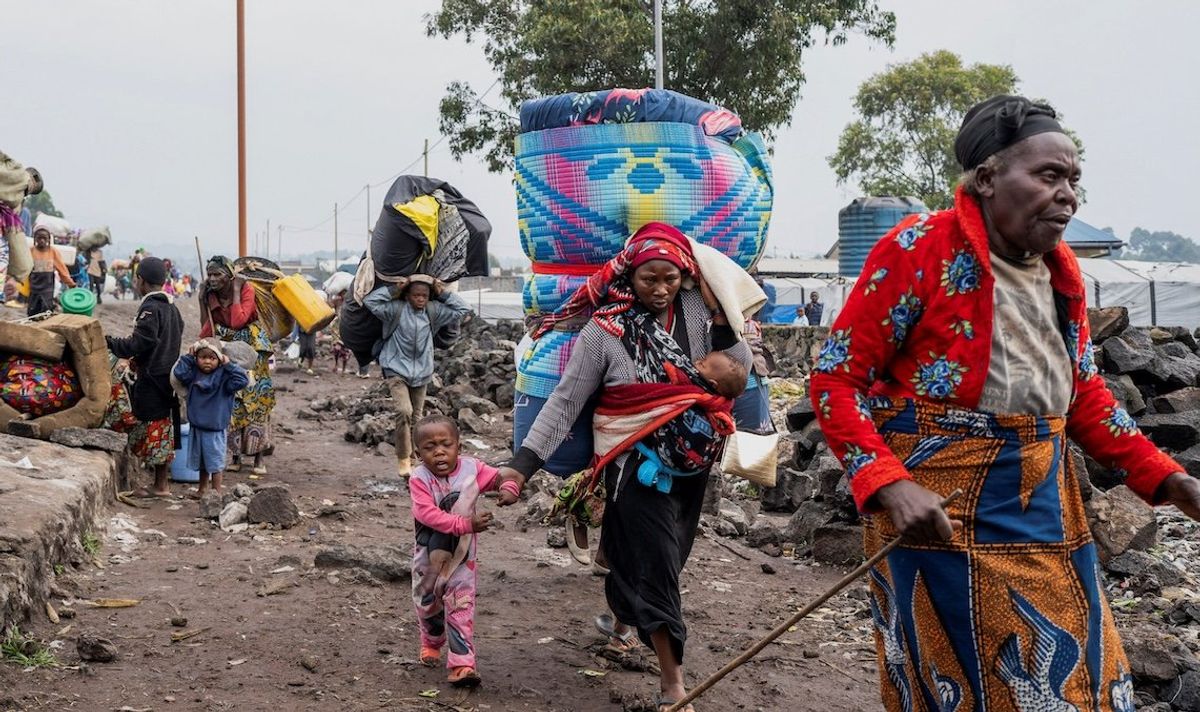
387	181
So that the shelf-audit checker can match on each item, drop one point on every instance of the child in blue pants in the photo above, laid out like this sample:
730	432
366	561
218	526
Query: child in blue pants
212	381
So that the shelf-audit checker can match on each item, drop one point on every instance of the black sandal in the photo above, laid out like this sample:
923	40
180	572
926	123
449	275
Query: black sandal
620	642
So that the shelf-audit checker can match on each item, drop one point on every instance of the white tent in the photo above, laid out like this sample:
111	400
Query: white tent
493	306
1155	293
793	292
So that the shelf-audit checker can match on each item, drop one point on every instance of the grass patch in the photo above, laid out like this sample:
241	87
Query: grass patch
59	569
91	544
20	649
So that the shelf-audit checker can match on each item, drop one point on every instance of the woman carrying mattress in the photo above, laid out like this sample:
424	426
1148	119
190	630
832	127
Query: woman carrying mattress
651	323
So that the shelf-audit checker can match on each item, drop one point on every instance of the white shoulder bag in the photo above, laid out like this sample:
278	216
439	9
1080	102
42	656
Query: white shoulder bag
751	456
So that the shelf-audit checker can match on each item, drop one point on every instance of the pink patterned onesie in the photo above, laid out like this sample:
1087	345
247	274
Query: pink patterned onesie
444	555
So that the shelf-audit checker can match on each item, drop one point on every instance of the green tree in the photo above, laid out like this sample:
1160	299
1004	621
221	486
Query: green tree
902	142
42	203
741	54
1160	246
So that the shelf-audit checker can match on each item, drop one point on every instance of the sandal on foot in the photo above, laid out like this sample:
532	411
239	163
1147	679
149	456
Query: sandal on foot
233	467
464	677
665	704
577	541
430	657
620	642
260	470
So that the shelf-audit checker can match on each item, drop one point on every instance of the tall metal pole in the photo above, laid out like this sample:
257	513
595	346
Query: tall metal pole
336	259
426	158
658	45
241	124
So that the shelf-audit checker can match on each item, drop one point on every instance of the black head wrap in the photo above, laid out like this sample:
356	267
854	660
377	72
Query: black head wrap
220	263
995	124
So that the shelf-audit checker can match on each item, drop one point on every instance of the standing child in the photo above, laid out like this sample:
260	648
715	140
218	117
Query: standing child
444	488
152	349
212	382
341	356
46	262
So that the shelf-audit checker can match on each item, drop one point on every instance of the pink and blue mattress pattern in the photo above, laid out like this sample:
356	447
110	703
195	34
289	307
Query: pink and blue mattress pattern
545	293
541	366
581	191
592	168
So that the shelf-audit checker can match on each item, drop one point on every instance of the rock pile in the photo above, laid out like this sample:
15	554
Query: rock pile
795	348
473	383
237	508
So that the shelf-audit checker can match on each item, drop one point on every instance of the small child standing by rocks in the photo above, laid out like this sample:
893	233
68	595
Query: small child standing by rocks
341	356
212	382
444	489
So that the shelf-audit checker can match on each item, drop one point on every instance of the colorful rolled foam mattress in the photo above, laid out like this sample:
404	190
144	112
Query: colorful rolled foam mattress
36	386
583	190
624	106
597	167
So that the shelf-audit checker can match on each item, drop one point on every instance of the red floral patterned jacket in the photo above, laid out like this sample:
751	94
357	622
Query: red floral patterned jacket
919	325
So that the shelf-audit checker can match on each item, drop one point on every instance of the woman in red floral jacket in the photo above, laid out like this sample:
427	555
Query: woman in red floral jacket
962	360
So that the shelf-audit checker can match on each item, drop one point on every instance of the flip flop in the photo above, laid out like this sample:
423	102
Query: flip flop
620	642
665	704
464	677
430	657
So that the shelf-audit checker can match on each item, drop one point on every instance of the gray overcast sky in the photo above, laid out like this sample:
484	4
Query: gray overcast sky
128	108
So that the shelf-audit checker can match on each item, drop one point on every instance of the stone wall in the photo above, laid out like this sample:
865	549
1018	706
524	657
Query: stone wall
45	511
795	348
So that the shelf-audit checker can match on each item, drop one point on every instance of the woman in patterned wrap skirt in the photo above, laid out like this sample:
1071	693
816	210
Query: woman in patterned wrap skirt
963	360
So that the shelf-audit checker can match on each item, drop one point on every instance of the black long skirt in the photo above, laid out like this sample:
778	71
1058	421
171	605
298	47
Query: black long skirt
647	538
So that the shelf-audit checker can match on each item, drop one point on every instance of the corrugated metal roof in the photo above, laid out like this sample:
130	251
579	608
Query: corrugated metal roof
1080	233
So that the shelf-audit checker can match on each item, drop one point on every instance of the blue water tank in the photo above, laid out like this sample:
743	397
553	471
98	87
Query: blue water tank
863	222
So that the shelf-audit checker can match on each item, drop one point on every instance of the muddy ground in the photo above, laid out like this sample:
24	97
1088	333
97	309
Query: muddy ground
337	640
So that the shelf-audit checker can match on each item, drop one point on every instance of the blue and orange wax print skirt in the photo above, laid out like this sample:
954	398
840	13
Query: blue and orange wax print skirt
1009	616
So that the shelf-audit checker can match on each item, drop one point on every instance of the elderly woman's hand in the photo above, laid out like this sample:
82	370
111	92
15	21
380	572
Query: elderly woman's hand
917	512
1183	491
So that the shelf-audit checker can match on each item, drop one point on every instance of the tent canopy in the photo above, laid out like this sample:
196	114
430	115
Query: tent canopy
1155	293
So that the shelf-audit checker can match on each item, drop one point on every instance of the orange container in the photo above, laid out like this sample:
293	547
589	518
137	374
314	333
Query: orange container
303	303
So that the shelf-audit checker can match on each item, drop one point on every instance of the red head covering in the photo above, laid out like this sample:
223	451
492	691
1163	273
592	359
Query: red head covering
660	241
653	241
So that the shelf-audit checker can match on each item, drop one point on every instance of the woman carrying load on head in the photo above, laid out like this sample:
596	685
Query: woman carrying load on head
962	360
229	301
650	326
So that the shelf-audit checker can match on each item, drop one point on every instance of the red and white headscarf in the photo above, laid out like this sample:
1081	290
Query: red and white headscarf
608	293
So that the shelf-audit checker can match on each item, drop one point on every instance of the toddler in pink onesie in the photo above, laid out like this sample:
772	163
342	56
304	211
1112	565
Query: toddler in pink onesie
444	488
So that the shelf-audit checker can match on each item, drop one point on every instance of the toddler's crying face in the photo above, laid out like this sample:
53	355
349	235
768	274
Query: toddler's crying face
207	361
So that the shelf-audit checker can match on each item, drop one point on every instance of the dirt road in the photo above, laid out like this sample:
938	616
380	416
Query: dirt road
338	640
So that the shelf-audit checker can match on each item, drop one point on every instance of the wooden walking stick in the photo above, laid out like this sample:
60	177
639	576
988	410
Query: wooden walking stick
783	627
200	288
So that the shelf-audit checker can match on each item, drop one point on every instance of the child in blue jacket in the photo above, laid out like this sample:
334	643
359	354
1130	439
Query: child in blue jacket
212	381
